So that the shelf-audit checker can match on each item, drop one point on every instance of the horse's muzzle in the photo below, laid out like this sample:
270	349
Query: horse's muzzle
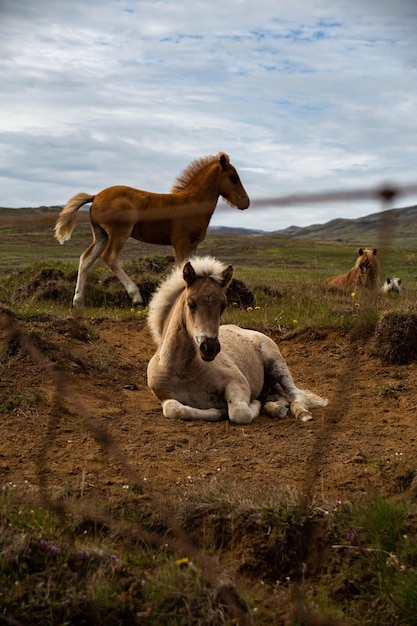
243	203
209	348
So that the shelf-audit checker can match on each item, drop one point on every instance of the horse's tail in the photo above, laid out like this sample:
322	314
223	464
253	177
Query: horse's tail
312	400
66	220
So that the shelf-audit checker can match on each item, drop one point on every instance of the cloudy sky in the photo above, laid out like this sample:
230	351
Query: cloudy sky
305	96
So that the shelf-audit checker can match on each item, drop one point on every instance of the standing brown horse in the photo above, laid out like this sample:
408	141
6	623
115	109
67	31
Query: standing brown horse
179	218
365	272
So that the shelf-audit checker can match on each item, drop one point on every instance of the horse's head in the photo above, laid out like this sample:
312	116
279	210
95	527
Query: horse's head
205	301
368	266
392	285
230	187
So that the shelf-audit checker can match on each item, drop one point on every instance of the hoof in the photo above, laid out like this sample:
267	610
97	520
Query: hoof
172	409
276	410
305	416
137	300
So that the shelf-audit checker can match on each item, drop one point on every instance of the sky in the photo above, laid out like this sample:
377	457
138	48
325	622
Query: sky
304	96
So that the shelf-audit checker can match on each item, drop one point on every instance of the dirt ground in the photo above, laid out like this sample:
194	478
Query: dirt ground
83	369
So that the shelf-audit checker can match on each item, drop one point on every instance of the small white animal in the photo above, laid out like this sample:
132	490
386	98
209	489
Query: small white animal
392	285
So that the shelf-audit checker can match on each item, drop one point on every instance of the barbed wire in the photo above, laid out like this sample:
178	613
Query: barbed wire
385	193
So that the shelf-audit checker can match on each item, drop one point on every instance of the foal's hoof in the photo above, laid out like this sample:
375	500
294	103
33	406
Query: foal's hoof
173	409
276	410
305	416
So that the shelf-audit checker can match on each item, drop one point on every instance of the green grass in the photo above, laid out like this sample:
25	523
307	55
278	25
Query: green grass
123	567
286	276
381	559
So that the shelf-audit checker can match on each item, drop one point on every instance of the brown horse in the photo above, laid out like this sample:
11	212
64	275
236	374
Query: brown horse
179	218
203	370
365	272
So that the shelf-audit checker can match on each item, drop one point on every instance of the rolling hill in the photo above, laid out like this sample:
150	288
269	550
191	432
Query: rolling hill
399	224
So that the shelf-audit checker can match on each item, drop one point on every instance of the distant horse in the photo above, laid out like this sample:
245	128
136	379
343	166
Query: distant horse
206	371
365	272
392	285
179	218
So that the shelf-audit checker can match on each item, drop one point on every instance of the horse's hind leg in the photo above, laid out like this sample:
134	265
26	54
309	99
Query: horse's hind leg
86	261
111	257
280	380
276	405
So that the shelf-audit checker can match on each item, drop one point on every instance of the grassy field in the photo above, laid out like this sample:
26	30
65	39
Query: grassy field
286	275
54	569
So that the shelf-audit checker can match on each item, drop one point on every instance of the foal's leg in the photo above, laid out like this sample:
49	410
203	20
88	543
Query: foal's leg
86	261
277	406
244	412
183	247
111	257
174	409
279	377
239	406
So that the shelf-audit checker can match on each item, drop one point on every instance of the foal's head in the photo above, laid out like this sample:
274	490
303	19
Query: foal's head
205	301
230	187
368	266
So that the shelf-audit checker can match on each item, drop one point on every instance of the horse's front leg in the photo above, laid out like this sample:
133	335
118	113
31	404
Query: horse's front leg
240	408
174	409
244	412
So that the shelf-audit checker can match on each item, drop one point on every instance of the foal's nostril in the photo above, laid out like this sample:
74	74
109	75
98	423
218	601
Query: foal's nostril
209	348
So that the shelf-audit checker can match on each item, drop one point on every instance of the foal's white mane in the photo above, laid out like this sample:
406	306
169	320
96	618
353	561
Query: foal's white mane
173	286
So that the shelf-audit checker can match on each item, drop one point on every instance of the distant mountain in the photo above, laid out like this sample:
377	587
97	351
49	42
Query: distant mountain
230	230
400	225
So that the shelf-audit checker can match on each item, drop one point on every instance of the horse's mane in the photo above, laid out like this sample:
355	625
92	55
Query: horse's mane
183	180
369	264
367	255
171	288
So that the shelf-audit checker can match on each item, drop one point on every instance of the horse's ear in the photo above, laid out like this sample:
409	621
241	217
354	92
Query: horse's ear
227	276
224	160
360	251
374	251
188	274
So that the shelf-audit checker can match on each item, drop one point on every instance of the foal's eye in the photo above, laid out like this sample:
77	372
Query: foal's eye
234	179
192	305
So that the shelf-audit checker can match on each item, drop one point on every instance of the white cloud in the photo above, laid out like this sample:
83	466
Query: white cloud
304	96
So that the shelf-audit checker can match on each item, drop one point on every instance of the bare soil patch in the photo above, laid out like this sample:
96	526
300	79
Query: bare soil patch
365	438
